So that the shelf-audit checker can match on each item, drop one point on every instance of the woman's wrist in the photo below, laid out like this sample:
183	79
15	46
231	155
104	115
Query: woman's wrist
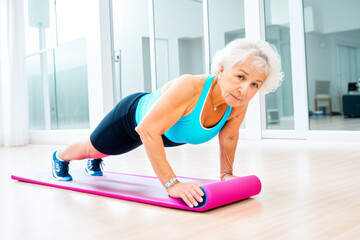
171	182
223	175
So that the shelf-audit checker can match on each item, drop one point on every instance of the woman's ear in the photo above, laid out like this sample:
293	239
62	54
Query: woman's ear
221	71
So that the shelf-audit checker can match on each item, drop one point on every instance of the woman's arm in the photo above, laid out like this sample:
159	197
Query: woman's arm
228	139
168	109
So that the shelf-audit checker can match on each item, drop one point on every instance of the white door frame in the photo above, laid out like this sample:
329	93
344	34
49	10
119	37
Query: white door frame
256	115
254	28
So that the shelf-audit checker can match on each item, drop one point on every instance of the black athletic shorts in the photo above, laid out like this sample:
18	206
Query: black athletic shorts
116	132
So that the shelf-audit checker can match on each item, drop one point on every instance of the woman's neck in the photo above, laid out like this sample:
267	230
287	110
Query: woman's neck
215	94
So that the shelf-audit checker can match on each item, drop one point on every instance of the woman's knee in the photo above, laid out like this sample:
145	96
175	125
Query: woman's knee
91	151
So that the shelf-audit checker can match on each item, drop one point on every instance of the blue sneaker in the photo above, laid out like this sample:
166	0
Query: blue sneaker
60	169
94	167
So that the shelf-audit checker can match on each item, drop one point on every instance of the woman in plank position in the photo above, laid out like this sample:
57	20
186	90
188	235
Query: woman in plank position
189	109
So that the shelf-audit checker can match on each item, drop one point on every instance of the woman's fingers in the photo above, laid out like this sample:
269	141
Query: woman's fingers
192	199
195	194
199	190
186	200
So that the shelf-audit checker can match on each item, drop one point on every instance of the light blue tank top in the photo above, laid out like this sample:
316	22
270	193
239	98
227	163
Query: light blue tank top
188	129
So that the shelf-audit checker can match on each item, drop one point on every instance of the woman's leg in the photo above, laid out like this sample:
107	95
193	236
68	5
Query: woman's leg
79	150
114	135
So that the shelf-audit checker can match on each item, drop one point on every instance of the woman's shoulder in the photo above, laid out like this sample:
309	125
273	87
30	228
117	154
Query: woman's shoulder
191	83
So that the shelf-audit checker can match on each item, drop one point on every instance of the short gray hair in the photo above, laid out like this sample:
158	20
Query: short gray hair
265	55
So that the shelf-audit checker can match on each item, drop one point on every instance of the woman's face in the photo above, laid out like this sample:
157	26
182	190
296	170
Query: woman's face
240	83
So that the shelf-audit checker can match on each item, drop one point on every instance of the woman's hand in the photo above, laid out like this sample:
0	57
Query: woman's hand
190	193
227	177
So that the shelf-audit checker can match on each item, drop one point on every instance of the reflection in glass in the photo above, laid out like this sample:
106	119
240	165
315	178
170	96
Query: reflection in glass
57	78
279	104
223	28
58	90
71	85
131	47
162	61
332	40
40	76
179	39
40	26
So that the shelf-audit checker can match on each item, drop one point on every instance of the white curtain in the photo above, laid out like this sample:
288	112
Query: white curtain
13	95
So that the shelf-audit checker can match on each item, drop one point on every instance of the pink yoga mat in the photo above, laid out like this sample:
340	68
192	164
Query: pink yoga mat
149	190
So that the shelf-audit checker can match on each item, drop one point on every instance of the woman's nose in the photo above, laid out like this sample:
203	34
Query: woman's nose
243	88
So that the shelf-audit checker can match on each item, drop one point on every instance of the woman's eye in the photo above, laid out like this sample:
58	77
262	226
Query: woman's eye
255	85
241	77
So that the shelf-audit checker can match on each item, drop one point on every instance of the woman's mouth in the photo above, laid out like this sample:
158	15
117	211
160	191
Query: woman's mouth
235	97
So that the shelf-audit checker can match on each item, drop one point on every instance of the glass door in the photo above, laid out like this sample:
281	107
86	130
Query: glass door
284	112
333	65
179	39
279	104
130	47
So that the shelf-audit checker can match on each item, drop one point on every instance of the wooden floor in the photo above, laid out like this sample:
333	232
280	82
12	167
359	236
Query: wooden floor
310	191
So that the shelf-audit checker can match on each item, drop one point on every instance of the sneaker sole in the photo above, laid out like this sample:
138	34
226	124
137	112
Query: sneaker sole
94	173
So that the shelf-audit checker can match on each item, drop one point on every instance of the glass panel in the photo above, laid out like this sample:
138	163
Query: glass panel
279	104
223	28
40	77
131	42
40	26
76	19
71	85
179	35
332	40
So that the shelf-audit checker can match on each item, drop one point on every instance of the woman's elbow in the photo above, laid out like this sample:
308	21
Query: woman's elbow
226	135
228	138
141	130
145	132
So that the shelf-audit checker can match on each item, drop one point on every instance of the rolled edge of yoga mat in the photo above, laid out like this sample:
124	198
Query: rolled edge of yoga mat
221	193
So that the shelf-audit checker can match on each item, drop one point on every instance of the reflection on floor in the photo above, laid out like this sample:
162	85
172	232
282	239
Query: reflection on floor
323	122
334	123
284	123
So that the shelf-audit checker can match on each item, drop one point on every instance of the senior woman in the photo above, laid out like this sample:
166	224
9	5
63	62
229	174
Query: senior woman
190	109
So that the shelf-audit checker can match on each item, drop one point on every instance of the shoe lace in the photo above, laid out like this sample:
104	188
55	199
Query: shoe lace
96	164
62	167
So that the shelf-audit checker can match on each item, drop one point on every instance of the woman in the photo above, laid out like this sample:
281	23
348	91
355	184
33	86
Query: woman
189	109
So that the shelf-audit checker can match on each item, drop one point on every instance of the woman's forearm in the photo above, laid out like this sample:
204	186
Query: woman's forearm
156	153
227	156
